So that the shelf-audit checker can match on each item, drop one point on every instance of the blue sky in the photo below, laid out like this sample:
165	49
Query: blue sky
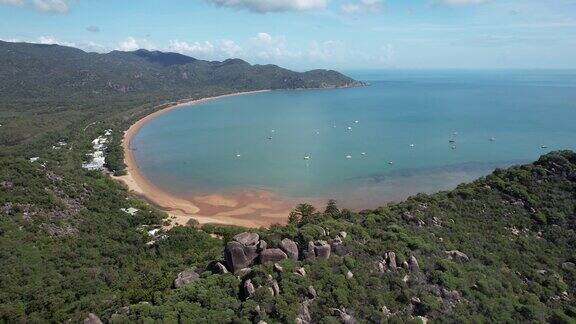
302	34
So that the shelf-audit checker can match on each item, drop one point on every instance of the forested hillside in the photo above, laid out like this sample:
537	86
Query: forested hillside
74	242
49	71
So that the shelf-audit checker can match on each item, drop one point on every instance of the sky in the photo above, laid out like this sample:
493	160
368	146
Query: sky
304	34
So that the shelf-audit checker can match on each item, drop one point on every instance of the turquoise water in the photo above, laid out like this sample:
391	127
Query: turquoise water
495	119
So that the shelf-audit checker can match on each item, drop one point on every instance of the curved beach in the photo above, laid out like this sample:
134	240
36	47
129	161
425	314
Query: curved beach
247	208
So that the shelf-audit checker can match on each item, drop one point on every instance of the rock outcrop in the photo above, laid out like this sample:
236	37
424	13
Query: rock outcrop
272	255
345	318
457	255
290	248
185	277
413	265
247	248
241	251
304	316
318	249
92	319
220	268
300	271
249	289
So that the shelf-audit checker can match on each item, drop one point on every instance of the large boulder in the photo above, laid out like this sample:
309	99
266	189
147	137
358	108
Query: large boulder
304	316
569	266
185	277
92	319
413	265
272	255
249	289
290	247
262	245
338	247
391	258
309	253
220	268
457	255
247	238
239	256
322	249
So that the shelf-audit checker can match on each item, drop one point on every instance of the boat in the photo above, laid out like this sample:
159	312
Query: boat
348	156
452	141
544	146
238	155
349	128
269	137
412	145
363	153
390	162
453	147
307	157
356	122
492	139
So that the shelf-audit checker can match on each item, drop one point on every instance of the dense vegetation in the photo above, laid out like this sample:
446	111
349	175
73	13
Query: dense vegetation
500	249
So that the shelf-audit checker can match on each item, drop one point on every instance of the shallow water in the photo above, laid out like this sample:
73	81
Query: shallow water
405	120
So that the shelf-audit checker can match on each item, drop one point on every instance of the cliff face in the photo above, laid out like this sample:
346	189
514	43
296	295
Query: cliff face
34	70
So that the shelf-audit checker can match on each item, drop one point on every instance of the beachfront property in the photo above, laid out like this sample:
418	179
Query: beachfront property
97	159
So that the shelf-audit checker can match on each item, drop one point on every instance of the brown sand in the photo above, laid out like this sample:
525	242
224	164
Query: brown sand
248	208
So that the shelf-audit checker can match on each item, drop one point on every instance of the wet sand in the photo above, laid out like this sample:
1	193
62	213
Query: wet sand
247	208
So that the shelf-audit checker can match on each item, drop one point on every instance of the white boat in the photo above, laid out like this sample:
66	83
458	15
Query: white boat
492	139
544	146
363	153
348	156
390	162
349	128
412	145
356	122
238	155
307	157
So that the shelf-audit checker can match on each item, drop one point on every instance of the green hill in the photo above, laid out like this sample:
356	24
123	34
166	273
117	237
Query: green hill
36	70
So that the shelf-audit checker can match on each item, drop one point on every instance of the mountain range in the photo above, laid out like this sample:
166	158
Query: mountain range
33	70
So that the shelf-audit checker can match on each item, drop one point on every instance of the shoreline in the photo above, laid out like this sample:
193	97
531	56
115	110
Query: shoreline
254	208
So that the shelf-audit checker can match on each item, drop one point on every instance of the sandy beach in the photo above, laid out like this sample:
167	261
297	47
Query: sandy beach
246	208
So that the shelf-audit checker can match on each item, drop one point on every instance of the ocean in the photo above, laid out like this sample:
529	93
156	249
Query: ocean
405	133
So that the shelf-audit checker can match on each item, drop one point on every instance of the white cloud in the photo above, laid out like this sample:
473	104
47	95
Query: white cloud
363	6
462	2
49	40
51	5
265	38
326	51
88	46
132	44
266	46
12	2
59	6
230	48
195	48
263	6
206	50
11	40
